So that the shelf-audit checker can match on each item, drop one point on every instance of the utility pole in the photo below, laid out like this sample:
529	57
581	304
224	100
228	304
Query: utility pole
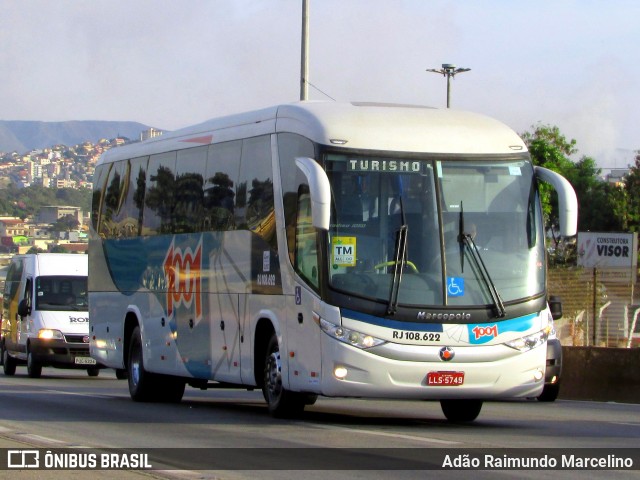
448	70
304	52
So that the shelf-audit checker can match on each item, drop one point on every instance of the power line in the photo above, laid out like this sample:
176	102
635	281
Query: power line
325	94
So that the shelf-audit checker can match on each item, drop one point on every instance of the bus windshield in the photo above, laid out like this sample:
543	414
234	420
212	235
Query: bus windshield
454	231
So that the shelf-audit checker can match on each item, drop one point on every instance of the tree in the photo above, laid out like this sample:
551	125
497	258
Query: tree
601	207
550	149
66	223
632	191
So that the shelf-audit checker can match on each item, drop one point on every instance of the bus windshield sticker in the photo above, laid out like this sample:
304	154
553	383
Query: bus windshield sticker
455	286
515	171
344	251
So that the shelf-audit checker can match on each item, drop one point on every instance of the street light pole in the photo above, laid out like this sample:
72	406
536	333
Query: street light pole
304	52
448	70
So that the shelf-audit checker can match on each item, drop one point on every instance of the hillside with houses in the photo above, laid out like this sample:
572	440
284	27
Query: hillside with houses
28	225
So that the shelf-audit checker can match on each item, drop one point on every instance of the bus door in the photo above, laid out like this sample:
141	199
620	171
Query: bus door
303	334
303	340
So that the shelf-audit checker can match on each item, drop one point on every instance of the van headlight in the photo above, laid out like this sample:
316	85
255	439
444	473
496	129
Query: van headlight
50	334
529	342
350	337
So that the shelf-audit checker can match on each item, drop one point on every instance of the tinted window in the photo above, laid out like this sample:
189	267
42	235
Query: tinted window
189	189
254	197
159	202
220	196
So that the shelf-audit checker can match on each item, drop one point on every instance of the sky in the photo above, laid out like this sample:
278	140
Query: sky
169	64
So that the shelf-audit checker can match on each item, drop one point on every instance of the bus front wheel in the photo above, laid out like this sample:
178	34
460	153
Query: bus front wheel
461	411
145	386
281	402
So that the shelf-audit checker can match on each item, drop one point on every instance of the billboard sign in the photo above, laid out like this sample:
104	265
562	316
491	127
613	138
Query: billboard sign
607	250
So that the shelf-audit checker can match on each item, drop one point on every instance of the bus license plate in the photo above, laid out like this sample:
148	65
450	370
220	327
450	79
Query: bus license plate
445	379
85	361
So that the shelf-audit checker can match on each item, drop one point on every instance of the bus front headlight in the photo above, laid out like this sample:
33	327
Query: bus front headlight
529	342
350	337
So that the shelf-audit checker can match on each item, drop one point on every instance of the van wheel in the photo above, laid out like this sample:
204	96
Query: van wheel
93	372
8	363
281	402
34	368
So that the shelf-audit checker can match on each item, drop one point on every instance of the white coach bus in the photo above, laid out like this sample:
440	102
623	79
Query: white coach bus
345	250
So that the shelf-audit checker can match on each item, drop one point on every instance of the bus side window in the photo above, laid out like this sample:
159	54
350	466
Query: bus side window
111	202
159	199
306	253
189	190
255	190
221	180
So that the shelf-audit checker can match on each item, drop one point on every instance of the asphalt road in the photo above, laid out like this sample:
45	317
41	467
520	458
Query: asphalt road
67	409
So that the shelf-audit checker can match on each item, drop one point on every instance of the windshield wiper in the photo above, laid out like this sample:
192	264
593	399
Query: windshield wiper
400	261
466	239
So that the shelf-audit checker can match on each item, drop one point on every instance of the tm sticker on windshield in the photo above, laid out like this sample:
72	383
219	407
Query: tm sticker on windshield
455	286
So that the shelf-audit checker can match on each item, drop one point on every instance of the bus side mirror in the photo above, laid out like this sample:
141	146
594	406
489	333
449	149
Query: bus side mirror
567	200
23	308
555	306
319	190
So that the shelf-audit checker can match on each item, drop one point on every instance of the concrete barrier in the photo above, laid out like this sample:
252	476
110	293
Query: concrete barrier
601	373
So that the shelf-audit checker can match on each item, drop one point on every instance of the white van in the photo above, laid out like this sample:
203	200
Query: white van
45	315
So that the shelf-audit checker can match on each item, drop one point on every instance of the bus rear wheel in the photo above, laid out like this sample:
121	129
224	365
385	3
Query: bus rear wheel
281	402
461	411
146	386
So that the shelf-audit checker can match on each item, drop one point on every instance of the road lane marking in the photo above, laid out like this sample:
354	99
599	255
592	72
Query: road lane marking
80	394
392	435
39	438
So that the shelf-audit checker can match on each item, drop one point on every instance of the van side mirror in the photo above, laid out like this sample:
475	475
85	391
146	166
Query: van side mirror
23	308
555	305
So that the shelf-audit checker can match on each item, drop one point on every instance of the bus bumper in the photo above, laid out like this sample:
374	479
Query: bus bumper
488	372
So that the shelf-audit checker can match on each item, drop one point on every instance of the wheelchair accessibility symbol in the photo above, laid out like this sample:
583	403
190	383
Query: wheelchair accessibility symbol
455	286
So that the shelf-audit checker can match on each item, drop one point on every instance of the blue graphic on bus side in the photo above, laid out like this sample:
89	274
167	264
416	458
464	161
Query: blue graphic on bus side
455	286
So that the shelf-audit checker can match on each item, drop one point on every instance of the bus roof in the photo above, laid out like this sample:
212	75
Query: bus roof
369	126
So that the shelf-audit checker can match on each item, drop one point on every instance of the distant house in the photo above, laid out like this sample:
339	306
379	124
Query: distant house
51	214
12	227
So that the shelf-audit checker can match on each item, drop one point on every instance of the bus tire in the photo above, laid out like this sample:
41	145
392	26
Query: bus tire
121	374
8	363
549	393
281	402
34	368
461	411
142	384
93	371
146	386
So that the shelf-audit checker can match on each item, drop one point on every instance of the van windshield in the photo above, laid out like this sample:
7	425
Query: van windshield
61	292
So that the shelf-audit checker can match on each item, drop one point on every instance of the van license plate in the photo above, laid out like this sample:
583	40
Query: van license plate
445	379
85	361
